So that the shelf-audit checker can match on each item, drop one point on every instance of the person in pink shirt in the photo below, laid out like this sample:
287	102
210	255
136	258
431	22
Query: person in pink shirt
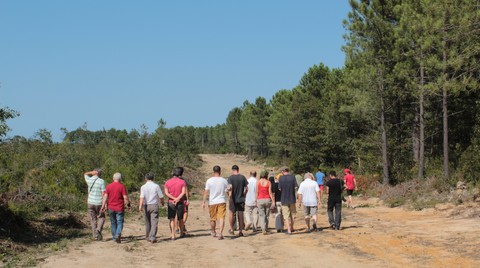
351	185
175	190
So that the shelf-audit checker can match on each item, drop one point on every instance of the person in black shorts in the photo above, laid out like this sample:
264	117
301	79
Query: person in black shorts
175	190
237	189
186	202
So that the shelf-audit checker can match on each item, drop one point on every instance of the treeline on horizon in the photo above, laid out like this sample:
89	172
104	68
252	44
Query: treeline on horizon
405	106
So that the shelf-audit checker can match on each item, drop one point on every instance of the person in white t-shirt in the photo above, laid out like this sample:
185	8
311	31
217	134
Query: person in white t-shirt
150	197
216	188
251	209
309	196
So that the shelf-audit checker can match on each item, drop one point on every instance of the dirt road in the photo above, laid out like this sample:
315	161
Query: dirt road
372	236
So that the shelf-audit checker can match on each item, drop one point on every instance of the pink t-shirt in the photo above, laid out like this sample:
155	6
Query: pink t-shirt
174	187
349	181
115	192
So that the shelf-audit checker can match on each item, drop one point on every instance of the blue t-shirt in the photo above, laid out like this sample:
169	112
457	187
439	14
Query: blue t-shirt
320	177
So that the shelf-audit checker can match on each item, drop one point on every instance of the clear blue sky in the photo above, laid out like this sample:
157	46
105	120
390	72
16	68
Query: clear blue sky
121	64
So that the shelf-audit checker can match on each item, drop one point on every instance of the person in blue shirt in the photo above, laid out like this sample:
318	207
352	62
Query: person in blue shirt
320	176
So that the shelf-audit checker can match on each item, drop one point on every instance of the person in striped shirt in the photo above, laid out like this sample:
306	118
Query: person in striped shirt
96	187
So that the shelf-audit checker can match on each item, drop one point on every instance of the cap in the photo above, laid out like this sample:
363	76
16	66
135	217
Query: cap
346	171
235	167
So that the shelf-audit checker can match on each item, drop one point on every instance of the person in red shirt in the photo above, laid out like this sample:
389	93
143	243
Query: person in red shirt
115	199
175	190
351	184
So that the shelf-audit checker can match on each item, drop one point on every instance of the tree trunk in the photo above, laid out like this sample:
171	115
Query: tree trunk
421	155
415	143
446	170
383	128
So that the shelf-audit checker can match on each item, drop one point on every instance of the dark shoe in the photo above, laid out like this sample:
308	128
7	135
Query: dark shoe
118	240
337	228
315	227
240	234
332	226
279	231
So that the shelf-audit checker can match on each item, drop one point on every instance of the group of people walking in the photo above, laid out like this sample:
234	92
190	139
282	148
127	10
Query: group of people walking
250	202
114	199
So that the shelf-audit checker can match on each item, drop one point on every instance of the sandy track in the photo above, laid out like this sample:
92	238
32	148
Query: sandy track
373	236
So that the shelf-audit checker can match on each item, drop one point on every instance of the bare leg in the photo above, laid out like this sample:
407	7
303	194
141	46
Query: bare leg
185	218
291	223
173	227
231	218
287	224
307	222
241	221
182	227
212	226
221	223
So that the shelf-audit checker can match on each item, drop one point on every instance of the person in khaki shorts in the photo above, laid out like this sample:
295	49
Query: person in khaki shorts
287	185
309	196
150	195
216	188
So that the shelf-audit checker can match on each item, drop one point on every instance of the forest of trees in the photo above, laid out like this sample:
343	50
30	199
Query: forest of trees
404	106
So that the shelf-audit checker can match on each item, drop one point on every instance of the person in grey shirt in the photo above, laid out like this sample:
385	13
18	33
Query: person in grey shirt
150	195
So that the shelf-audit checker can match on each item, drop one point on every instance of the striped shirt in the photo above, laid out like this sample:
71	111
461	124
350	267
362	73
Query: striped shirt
96	187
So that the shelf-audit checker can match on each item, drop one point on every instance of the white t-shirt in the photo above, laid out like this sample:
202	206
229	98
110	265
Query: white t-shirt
217	187
252	192
151	192
308	189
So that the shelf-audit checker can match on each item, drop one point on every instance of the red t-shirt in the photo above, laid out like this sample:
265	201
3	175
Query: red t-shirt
349	181
263	191
174	187
115	191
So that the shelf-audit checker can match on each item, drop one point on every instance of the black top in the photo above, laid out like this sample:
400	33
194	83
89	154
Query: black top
275	190
287	184
335	189
238	182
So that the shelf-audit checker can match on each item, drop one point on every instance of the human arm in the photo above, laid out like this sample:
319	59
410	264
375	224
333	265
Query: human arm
355	184
272	196
104	202
182	194
256	193
168	193
140	204
126	201
160	196
319	198
187	195
205	193
91	173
